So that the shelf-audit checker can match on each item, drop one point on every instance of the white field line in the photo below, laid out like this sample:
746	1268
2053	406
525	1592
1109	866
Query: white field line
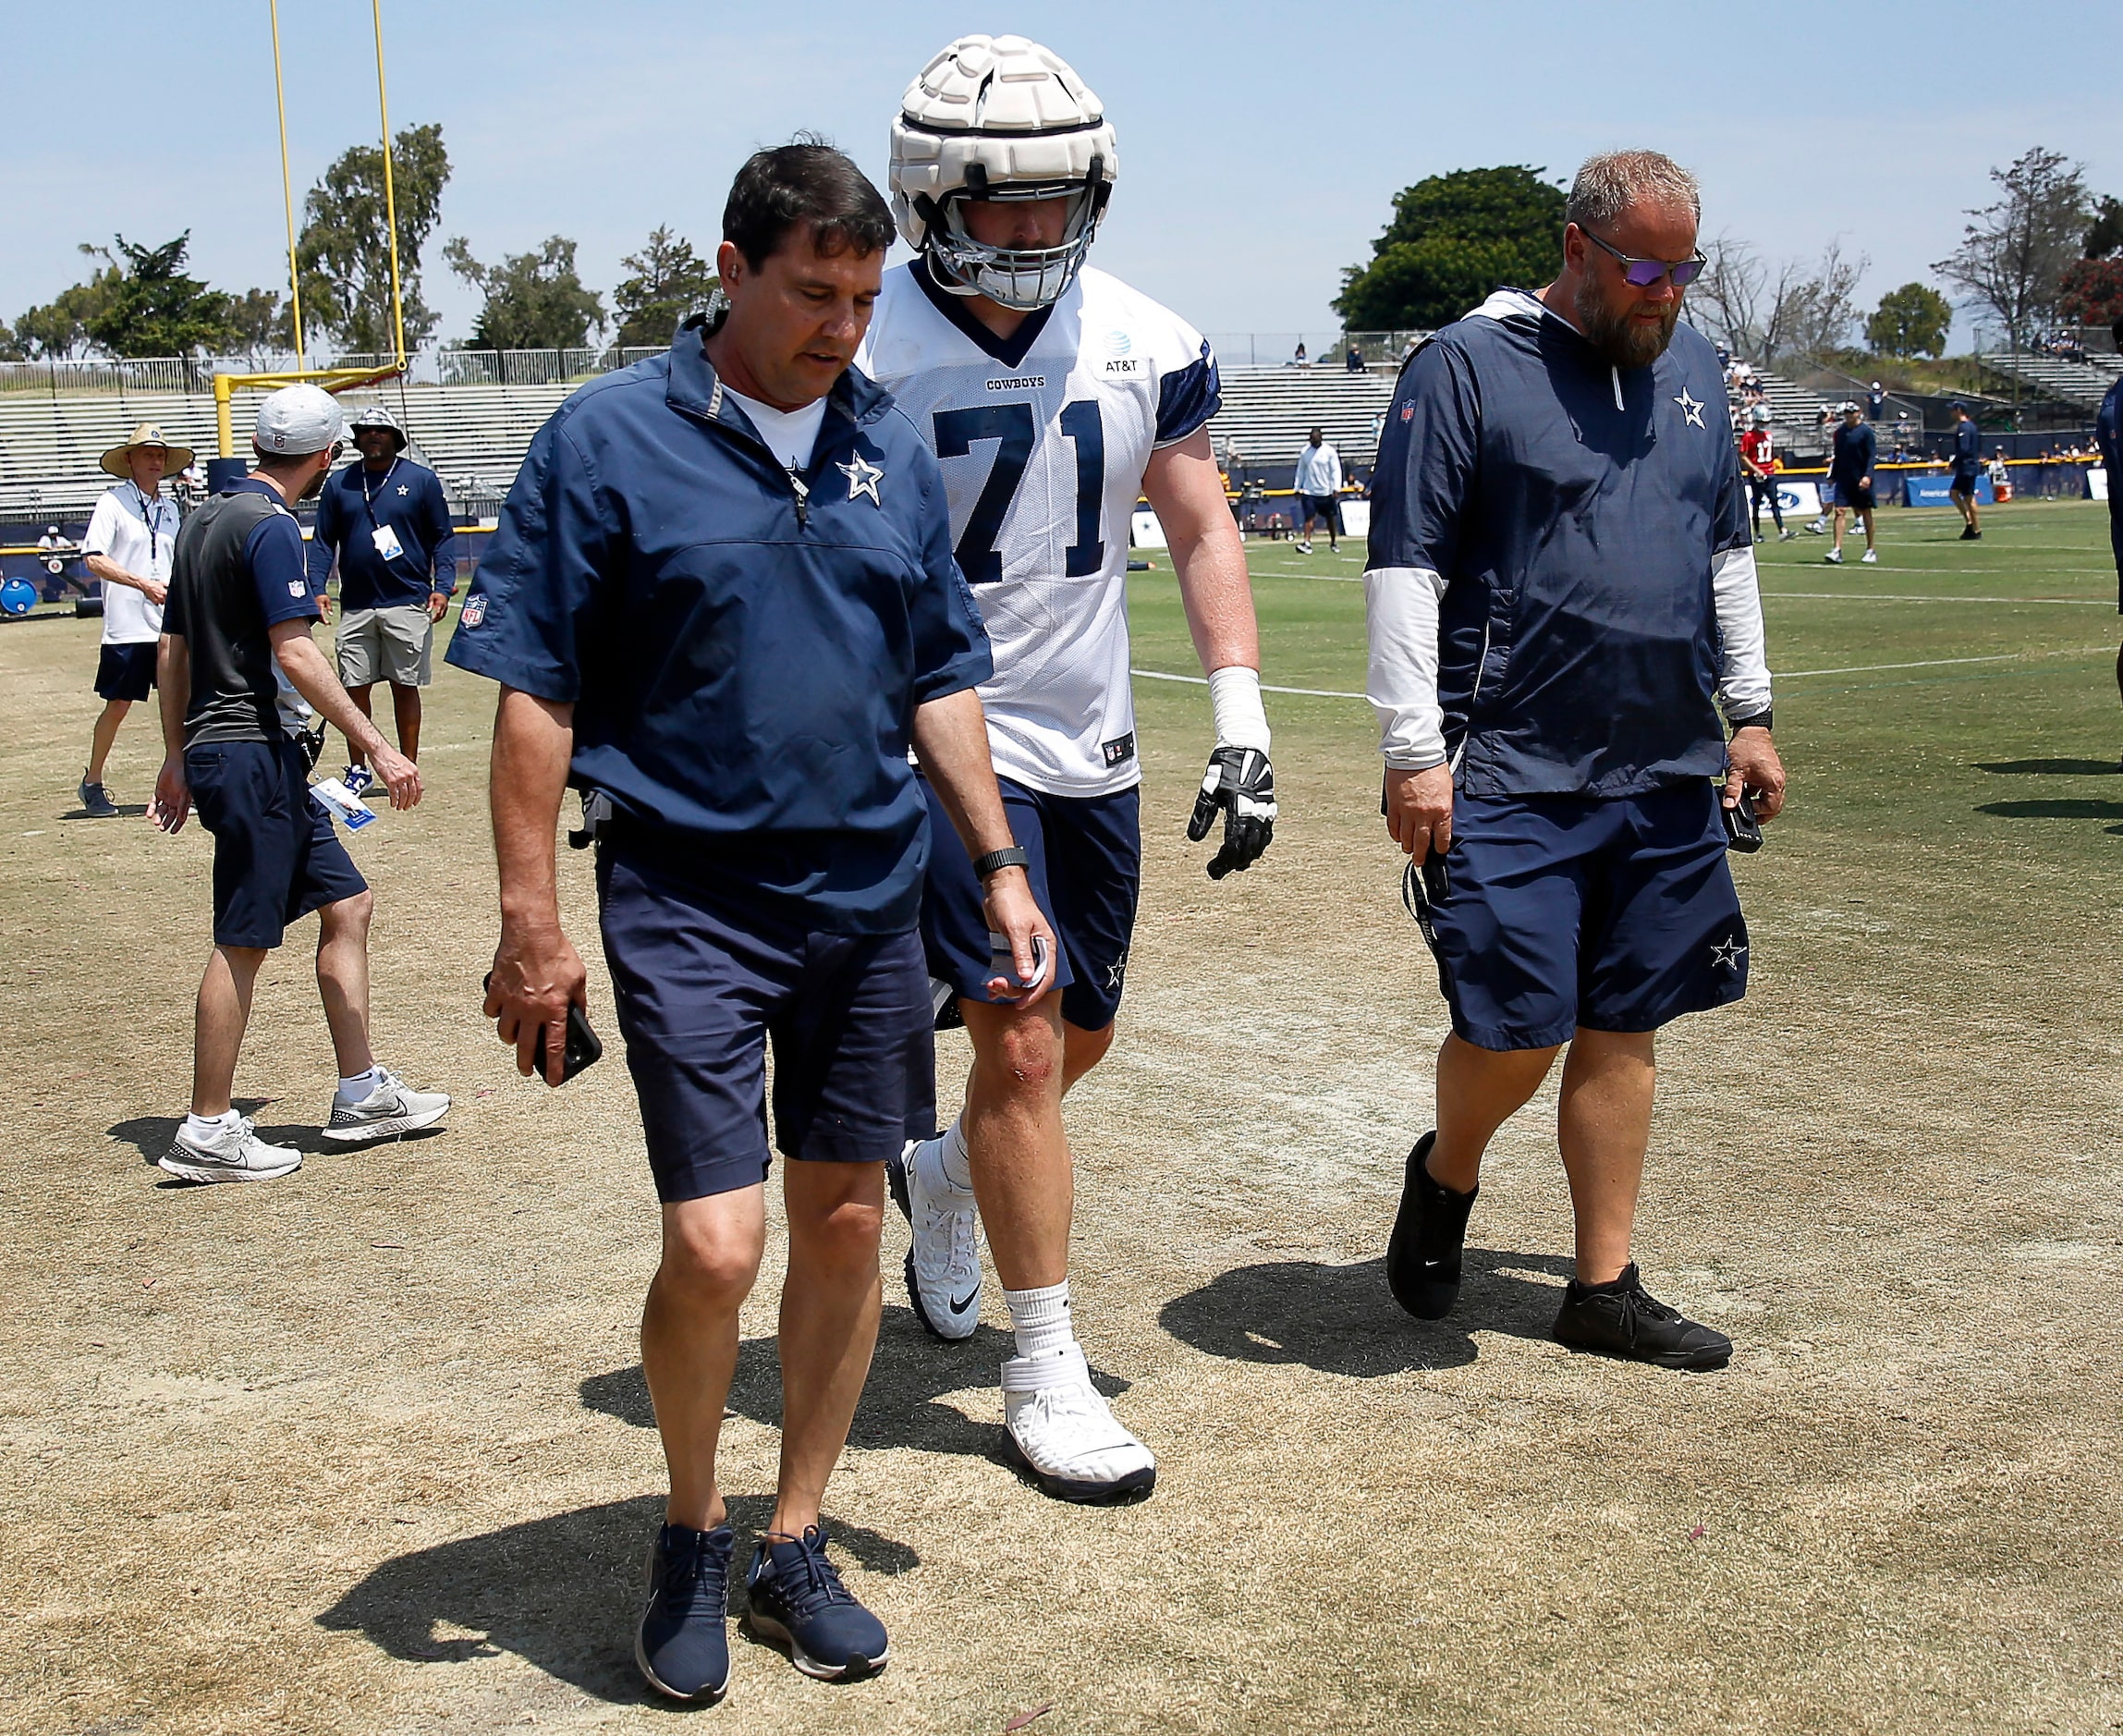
1885	597
1781	675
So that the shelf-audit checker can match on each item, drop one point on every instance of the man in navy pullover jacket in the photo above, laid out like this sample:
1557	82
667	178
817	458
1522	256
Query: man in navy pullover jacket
1562	601
723	604
388	524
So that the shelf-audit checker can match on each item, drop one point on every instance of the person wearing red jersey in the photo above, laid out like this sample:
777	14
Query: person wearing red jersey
1759	464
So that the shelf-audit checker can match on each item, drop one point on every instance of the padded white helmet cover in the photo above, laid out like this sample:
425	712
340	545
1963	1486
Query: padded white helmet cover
992	112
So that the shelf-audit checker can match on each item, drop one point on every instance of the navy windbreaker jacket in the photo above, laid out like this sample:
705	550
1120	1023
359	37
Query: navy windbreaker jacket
1575	512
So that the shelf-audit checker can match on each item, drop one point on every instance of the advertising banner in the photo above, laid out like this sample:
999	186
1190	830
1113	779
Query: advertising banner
1932	491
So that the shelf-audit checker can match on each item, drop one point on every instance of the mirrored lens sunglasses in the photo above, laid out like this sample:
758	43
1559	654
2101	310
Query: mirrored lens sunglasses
1643	272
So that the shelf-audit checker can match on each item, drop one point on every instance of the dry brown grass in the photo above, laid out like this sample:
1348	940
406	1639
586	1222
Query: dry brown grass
366	1451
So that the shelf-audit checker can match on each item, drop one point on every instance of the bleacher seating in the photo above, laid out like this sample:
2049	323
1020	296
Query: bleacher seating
2081	384
1269	412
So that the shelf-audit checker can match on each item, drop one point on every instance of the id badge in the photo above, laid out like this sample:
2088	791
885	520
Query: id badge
386	541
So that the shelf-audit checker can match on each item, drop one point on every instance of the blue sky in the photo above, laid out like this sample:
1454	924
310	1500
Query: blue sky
1261	146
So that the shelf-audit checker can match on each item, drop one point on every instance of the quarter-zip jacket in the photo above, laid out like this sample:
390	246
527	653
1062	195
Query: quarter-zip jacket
744	648
1561	579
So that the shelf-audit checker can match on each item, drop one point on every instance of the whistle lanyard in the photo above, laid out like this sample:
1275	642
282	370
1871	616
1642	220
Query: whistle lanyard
367	499
148	506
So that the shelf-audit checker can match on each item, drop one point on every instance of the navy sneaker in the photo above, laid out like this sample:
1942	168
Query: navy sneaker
683	1646
797	1601
95	800
1622	1318
1422	1259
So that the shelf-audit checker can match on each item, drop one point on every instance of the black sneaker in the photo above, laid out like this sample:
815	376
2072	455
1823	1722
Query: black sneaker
683	1645
1970	534
1624	1319
1422	1259
96	800
797	1601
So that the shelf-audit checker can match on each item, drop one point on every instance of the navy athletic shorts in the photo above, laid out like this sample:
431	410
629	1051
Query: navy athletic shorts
1564	910
1854	497
1320	507
126	672
702	984
1964	478
1086	870
276	854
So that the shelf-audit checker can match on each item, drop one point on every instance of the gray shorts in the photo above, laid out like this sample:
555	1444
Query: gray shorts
391	644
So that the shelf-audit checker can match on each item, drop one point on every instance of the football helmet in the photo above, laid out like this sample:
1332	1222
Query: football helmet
999	117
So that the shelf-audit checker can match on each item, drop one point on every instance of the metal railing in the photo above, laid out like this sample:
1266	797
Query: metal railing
117	377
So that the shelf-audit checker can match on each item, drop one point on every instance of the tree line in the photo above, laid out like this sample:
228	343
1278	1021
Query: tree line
139	300
2042	252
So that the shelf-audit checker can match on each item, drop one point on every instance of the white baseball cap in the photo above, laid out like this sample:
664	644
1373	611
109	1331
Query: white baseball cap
298	420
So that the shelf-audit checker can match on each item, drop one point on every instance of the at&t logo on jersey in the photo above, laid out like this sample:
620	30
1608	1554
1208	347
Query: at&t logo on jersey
1120	360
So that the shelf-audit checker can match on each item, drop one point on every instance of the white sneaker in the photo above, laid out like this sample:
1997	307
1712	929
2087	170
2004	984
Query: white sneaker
1870	559
236	1155
1060	1426
1304	548
1834	558
1785	536
944	1264
393	1108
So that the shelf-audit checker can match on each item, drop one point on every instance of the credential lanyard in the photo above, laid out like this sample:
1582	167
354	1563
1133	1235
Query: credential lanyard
367	499
148	505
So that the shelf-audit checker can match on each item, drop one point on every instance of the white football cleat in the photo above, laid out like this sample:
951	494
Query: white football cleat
944	1264
1060	1427
392	1109
237	1153
1870	559
1834	558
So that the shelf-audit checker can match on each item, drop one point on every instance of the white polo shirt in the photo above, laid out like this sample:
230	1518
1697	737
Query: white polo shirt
137	531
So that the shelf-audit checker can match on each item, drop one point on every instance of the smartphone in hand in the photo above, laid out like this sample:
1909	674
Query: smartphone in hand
580	1049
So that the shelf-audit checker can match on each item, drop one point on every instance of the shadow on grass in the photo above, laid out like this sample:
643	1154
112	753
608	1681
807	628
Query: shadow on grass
902	1404
1343	1320
150	1135
2051	768
2060	808
126	811
562	1593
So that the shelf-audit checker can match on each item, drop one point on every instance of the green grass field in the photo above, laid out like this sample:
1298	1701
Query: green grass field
368	1448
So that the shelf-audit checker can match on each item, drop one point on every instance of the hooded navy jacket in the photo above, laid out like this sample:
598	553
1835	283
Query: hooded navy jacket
744	654
1574	512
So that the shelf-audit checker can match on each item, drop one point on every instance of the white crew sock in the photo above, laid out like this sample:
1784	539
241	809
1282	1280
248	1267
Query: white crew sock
206	1128
953	1158
353	1090
1041	1318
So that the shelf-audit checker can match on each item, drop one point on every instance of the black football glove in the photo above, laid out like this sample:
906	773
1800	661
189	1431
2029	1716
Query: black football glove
1238	781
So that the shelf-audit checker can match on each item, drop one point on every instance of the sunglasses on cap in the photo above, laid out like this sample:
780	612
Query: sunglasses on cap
1643	272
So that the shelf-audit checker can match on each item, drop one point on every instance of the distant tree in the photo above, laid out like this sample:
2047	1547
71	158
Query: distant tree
60	328
343	253
2012	257
670	282
533	301
1453	239
1910	321
2107	235
1808	308
155	307
2092	293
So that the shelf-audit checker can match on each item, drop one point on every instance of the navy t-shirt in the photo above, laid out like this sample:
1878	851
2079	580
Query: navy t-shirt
1967	438
744	651
1856	450
236	573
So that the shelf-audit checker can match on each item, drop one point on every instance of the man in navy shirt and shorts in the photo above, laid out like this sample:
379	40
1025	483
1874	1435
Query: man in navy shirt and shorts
1967	467
1562	599
722	603
235	661
1854	453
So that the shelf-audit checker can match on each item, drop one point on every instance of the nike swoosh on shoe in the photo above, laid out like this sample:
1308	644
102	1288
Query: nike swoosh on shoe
960	1303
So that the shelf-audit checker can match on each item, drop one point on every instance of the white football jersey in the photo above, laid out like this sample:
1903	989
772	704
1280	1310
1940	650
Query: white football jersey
1044	440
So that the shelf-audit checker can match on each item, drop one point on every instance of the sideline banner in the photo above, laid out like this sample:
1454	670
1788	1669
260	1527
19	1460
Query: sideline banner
2097	482
1144	530
1800	497
1934	491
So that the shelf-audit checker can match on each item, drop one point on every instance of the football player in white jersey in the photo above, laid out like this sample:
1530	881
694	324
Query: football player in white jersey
1054	397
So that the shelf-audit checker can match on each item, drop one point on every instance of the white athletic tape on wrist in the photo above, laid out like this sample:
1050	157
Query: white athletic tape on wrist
1039	1374
1235	701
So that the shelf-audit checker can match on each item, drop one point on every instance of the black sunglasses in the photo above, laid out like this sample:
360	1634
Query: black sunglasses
1644	273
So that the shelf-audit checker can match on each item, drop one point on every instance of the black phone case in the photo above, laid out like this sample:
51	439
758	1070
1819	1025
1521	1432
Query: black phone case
580	1049
1742	830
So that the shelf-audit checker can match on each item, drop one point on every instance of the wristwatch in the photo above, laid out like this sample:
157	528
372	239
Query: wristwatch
1014	856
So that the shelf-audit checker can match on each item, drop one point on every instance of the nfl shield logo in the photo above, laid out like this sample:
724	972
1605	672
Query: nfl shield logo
474	611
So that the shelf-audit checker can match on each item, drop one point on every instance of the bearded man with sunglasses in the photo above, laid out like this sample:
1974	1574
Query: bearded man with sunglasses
1562	602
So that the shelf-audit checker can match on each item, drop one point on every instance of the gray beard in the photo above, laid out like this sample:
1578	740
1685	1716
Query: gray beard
1620	339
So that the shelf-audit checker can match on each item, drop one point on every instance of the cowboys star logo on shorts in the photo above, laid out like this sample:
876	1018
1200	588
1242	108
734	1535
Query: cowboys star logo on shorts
1728	954
862	479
